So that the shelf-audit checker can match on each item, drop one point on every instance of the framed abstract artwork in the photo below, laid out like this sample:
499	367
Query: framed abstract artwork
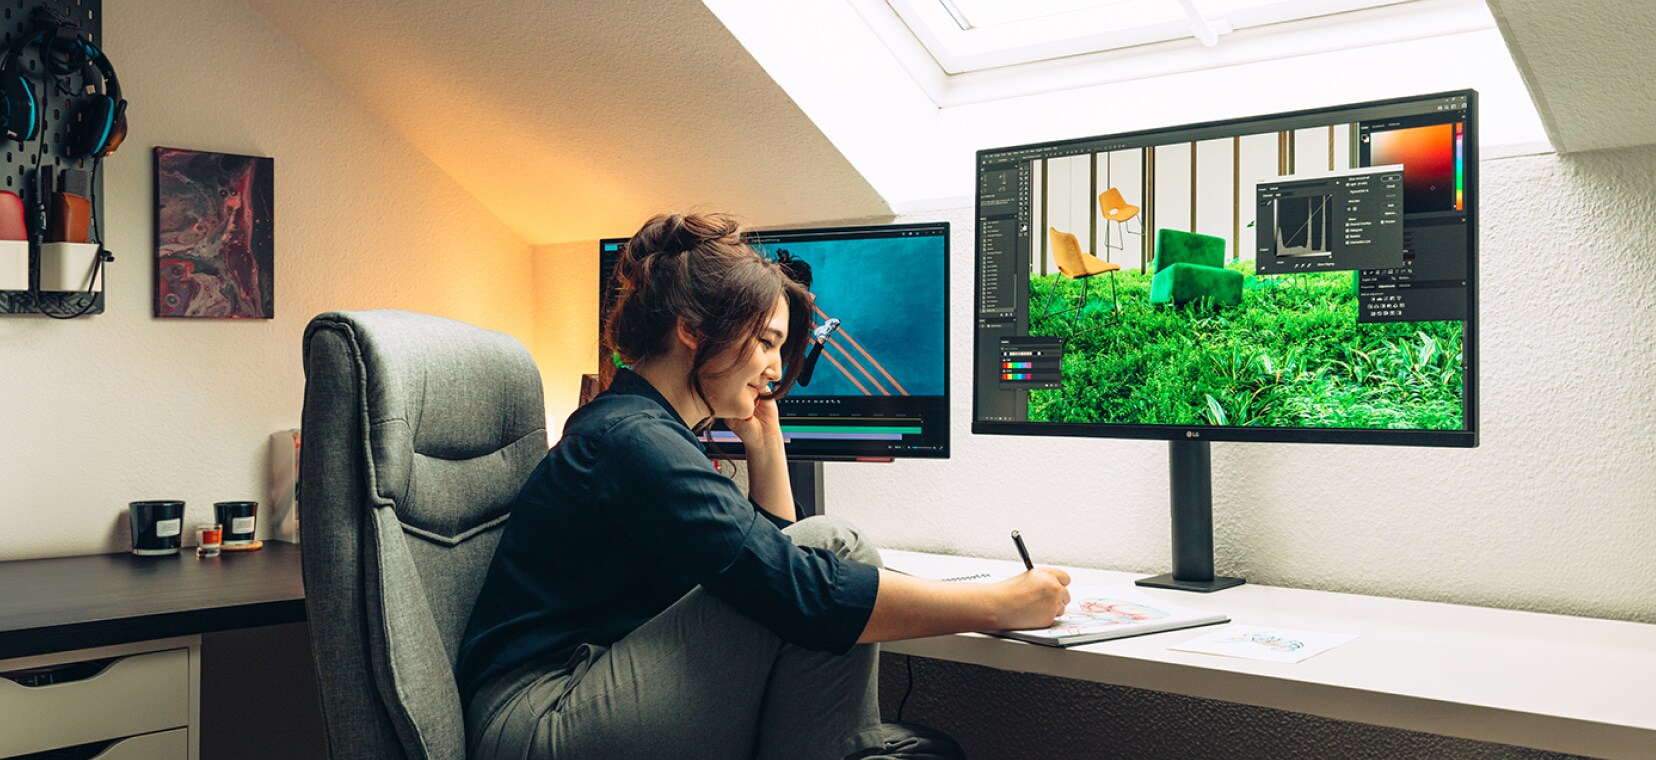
214	235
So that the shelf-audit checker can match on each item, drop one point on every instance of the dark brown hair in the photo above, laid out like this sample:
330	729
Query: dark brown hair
695	270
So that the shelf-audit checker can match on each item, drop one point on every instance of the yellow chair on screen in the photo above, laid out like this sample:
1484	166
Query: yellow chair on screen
1077	265
1117	209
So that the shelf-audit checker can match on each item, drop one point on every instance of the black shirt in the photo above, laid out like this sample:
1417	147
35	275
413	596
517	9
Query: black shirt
624	516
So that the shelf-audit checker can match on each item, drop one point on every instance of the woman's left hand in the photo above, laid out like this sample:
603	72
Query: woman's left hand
762	430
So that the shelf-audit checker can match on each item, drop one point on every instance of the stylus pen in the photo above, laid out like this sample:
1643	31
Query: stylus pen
1023	551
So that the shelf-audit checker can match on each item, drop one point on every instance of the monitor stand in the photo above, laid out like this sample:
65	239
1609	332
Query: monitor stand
1191	469
806	480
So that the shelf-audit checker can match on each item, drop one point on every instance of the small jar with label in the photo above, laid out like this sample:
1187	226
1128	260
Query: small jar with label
157	526
239	519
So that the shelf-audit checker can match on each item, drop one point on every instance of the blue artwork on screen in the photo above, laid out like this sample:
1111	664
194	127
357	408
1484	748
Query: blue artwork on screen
888	297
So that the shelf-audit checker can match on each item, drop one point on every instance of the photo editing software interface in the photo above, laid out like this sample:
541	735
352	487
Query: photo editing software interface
875	380
1310	271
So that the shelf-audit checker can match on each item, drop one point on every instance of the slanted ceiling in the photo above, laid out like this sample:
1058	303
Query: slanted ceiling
1588	67
574	121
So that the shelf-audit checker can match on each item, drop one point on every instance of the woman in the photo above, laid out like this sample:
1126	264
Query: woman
638	604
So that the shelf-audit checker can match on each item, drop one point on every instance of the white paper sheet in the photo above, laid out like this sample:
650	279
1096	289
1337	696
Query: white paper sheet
1254	642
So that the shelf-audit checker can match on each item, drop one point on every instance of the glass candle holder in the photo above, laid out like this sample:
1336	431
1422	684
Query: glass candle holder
209	537
156	526
238	519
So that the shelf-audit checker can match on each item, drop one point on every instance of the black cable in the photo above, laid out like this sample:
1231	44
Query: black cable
40	214
908	664
40	149
97	222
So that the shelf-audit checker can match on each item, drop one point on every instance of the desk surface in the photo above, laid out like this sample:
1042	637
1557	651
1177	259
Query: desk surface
1566	684
65	603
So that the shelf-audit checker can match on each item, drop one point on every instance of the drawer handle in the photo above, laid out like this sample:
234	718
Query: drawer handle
56	674
79	752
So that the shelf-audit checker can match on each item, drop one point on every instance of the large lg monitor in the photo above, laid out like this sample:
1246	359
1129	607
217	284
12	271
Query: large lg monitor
876	385
1298	277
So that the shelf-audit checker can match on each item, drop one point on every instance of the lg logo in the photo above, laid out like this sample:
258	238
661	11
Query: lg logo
1192	434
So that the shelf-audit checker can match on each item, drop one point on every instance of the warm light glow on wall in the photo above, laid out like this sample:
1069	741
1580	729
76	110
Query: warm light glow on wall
566	323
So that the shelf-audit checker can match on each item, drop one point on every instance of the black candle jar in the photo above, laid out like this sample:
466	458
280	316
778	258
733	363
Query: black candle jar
157	526
238	519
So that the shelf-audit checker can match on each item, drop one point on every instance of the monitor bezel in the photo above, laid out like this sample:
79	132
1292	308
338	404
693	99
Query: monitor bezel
815	451
1464	438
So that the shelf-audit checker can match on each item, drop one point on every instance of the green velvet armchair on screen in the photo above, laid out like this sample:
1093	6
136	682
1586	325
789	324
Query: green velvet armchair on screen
1190	266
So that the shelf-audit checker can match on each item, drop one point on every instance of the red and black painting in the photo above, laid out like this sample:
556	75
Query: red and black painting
214	235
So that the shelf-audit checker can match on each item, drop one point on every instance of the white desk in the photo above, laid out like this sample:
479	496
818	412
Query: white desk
1552	682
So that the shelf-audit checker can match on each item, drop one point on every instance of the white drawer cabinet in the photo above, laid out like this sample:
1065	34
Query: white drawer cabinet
147	695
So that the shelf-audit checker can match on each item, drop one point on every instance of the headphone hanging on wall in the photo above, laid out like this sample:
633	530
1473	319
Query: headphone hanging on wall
19	108
101	124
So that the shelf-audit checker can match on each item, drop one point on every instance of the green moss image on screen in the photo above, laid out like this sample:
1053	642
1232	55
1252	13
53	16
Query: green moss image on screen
1291	354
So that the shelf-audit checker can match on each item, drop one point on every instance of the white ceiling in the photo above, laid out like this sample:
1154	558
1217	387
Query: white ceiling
1589	66
573	121
914	132
577	120
963	36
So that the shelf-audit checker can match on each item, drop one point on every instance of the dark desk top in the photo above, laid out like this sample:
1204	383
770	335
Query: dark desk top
65	603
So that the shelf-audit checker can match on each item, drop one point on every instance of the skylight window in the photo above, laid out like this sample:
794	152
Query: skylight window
974	35
977	14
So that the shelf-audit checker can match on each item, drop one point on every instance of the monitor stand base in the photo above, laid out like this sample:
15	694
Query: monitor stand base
1190	475
1166	580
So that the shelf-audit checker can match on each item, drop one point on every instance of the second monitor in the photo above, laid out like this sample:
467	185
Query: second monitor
876	378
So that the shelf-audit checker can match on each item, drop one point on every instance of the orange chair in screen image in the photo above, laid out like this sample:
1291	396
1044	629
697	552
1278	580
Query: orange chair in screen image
1117	209
1077	265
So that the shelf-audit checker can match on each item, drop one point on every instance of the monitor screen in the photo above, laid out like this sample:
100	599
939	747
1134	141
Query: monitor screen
876	378
1306	276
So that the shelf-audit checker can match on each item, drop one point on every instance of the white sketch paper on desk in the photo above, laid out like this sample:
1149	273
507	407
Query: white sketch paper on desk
1269	644
1112	612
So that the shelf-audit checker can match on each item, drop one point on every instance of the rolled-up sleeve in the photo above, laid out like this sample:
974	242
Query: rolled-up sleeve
774	520
828	598
667	496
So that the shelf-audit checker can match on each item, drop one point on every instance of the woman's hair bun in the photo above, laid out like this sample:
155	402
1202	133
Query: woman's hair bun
676	234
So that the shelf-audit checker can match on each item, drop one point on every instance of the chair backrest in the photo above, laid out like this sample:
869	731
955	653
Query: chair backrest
1111	199
1180	247
1067	250
418	432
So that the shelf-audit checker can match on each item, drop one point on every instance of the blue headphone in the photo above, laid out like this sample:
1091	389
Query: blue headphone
102	113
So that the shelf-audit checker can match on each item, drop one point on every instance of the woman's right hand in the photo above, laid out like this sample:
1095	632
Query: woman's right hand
1033	599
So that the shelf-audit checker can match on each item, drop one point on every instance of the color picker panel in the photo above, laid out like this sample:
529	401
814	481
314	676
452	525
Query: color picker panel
1431	171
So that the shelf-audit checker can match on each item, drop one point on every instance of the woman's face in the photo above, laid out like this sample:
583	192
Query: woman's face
734	392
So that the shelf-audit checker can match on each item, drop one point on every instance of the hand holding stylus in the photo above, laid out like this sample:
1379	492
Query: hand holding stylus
1036	597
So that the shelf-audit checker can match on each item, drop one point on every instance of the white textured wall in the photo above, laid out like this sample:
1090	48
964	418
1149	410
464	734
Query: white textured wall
1555	511
103	410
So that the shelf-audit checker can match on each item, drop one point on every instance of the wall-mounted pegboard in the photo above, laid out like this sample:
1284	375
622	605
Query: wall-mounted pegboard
48	152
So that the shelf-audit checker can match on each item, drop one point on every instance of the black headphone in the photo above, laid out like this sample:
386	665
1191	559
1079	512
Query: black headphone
102	124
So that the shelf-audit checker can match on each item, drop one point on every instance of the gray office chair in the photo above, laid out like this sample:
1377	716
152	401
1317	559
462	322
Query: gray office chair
418	431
